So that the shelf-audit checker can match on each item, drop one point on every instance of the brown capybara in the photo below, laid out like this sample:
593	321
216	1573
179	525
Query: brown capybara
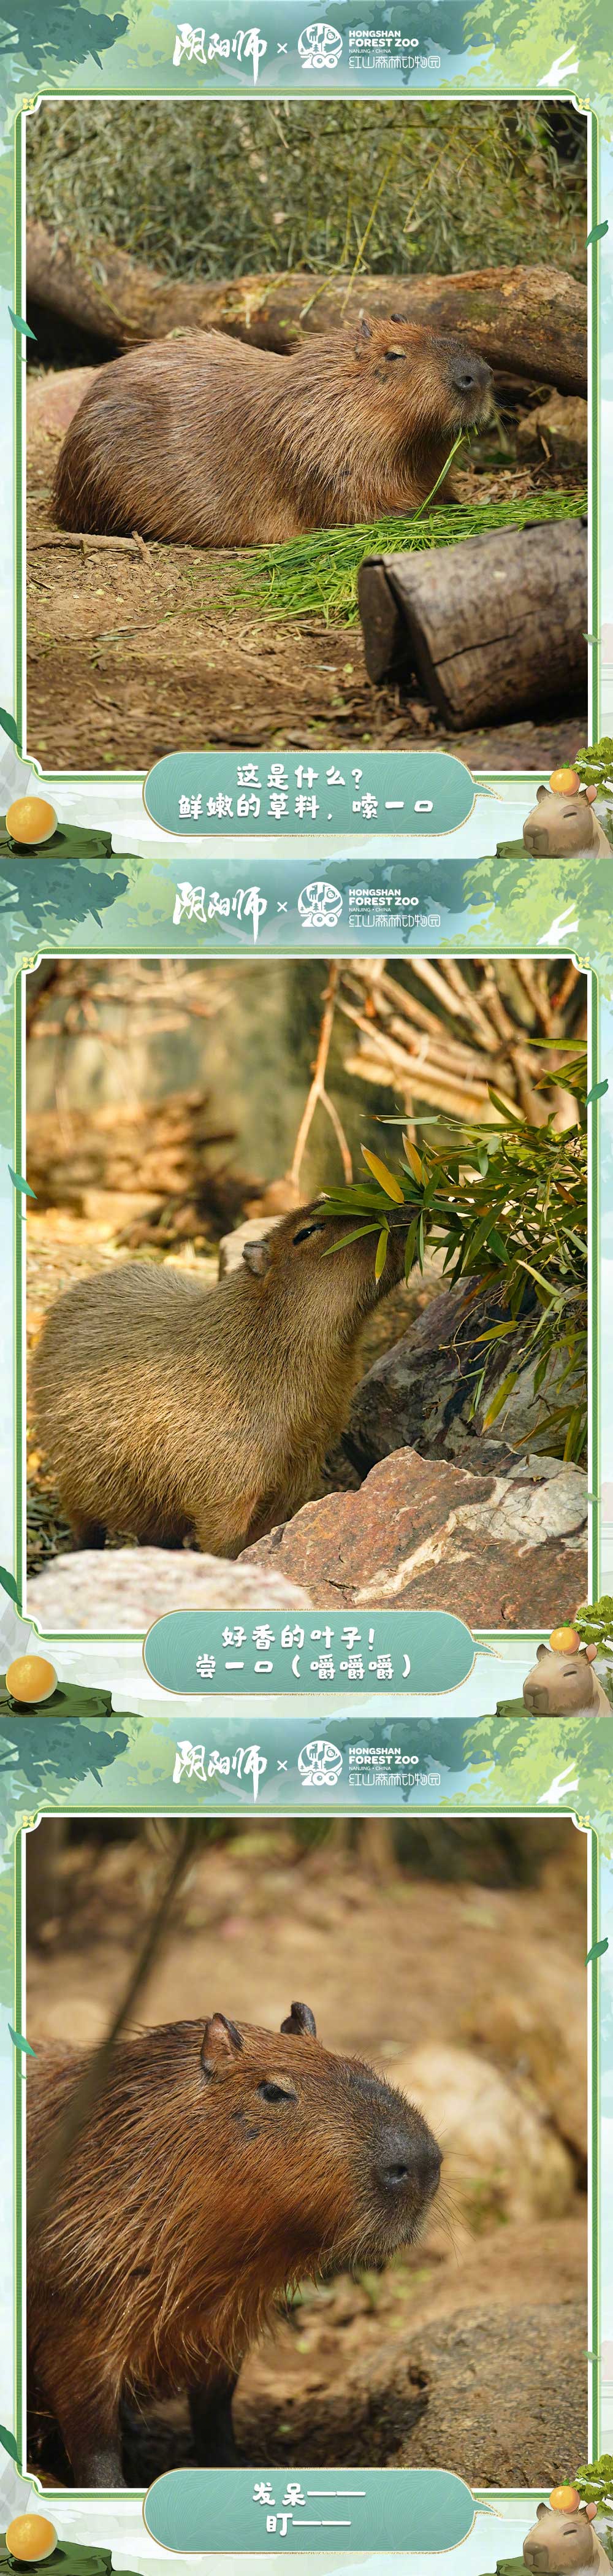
564	1686
564	2544
207	442
219	2166
171	1411
559	826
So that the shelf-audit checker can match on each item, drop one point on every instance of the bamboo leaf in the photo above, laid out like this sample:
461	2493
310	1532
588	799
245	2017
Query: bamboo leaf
499	1399
349	1238
387	1180
381	1251
413	1159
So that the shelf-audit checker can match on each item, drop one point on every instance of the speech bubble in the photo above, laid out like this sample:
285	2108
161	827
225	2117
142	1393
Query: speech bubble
428	1651
190	2510
415	792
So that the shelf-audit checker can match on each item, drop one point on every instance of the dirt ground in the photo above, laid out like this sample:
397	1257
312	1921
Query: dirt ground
130	656
469	2350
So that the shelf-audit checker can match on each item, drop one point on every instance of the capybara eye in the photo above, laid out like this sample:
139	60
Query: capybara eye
275	2093
304	1230
395	353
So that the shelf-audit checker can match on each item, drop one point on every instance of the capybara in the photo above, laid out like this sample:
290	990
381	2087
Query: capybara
564	1686
563	2544
171	1411
219	2165
207	442
559	826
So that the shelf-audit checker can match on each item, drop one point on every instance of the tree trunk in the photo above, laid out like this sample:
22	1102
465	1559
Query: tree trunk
530	322
491	628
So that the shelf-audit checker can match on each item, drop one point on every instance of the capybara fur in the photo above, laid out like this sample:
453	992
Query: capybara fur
563	2544
564	1686
219	2165
207	442
559	826
169	1411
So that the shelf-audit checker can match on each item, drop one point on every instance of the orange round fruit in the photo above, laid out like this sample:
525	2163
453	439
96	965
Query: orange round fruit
31	1677
564	1641
31	819
564	2500
31	2536
564	782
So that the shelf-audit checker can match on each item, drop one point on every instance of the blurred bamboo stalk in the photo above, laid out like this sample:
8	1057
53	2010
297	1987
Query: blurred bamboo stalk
481	1028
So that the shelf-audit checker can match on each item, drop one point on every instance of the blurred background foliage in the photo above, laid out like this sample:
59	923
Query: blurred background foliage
214	189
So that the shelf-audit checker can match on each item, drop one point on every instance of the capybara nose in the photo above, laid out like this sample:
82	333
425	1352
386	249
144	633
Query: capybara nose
409	2163
538	843
535	2558
468	373
537	1701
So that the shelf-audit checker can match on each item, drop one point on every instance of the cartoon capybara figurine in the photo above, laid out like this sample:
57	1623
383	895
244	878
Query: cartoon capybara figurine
208	442
563	2544
564	1686
171	1411
561	825
217	2166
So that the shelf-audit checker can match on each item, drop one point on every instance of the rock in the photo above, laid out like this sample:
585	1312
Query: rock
419	1394
505	2159
548	2046
558	429
129	1587
507	2397
53	400
423	1534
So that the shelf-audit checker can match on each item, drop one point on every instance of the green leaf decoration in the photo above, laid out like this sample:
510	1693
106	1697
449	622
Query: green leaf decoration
597	1092
598	232
8	725
21	326
21	2043
597	1951
9	1585
8	2443
19	1183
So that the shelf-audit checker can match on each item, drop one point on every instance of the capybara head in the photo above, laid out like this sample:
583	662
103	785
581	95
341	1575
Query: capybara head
435	385
558	1684
559	2541
558	824
315	2152
310	1262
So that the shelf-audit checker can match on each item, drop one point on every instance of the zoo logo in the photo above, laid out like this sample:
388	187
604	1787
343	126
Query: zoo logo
320	47
320	1764
320	905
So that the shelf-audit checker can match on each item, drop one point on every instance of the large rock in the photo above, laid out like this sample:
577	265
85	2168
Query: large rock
422	1534
129	1587
419	1394
505	2160
52	400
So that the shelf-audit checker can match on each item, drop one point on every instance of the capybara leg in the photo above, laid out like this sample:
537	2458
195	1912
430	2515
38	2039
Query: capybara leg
210	2412
88	1533
226	1536
87	2412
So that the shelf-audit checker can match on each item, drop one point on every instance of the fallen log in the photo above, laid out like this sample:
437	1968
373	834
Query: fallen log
490	628
527	321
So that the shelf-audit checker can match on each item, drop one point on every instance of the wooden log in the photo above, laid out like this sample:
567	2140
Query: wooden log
529	321
490	628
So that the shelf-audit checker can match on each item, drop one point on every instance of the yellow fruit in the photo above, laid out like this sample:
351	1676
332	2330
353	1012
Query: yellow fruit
31	2536
31	1677
31	819
564	2500
564	782
564	1641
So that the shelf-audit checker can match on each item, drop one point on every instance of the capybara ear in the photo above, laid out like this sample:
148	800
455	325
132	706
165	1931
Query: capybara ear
301	2019
540	2510
221	2040
257	1256
364	333
540	793
540	1652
